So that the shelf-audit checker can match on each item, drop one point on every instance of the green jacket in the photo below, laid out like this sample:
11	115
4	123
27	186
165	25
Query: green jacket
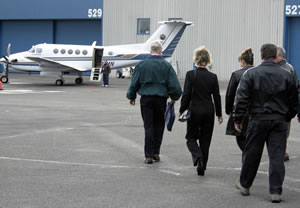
154	76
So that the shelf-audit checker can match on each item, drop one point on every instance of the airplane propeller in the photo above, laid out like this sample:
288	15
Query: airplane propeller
8	50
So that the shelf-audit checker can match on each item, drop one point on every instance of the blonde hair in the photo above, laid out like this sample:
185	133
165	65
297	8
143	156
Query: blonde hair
202	57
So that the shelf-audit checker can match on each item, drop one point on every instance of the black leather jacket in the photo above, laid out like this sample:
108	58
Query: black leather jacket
231	89
268	92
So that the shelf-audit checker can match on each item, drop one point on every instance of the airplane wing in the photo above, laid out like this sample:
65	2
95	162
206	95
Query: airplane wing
54	64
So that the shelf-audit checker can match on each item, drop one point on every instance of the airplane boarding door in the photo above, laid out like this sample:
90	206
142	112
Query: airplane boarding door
96	64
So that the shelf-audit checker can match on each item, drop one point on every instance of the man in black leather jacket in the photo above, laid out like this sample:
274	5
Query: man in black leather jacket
269	94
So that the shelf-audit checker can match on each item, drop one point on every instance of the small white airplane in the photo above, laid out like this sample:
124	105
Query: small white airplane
58	59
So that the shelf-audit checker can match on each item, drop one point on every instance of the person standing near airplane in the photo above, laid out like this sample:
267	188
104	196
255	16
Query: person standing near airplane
283	63
155	80
106	71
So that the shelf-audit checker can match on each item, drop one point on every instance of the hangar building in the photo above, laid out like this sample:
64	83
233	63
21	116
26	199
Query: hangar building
225	27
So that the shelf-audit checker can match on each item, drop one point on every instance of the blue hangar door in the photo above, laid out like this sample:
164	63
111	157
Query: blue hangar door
293	42
80	32
22	34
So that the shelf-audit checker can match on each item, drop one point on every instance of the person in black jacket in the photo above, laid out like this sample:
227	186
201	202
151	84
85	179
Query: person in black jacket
284	64
268	93
199	86
246	62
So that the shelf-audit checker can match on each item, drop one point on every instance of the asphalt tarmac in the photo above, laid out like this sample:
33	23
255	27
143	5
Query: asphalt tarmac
82	146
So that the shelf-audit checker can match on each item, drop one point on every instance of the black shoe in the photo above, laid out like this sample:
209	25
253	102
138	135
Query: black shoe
200	168
148	160
156	158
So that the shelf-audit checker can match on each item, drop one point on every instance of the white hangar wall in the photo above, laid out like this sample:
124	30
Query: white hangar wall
226	28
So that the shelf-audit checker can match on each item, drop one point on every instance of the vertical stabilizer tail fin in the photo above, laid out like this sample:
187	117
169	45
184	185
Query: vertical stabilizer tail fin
169	33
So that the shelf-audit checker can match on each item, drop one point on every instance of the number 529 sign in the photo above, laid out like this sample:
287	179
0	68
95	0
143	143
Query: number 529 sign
95	13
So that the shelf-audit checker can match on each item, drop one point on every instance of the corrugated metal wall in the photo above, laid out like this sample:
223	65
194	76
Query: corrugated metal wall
225	27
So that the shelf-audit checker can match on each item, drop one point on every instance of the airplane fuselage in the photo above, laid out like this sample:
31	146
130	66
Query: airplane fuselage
74	55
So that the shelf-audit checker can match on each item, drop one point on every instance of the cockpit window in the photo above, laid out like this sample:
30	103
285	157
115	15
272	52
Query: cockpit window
32	50
55	51
39	50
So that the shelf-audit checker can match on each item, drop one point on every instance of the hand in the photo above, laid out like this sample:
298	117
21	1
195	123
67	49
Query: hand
238	127
173	102
132	102
179	114
299	119
220	119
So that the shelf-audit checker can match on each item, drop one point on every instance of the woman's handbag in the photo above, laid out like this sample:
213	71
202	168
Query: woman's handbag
185	116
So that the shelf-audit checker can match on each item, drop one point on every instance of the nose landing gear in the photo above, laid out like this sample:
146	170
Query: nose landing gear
78	80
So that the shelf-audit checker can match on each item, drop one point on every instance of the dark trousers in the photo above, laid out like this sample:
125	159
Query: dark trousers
274	133
153	109
241	141
105	79
199	133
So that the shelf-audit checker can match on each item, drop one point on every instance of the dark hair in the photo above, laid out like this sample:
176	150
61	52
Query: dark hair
268	51
248	56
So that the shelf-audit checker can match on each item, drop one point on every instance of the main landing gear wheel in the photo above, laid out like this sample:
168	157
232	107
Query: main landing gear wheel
119	74
78	80
59	82
4	79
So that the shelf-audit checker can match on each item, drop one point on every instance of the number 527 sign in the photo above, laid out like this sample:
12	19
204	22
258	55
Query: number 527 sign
292	10
95	13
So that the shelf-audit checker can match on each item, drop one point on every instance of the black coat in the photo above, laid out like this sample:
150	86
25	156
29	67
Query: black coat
229	101
199	88
266	92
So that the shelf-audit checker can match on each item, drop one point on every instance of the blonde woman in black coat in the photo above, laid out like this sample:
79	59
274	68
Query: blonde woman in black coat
199	87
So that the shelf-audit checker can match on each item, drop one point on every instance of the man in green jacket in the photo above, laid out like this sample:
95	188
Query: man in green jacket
154	79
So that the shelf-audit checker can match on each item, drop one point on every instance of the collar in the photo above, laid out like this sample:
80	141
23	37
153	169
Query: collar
152	56
268	62
282	62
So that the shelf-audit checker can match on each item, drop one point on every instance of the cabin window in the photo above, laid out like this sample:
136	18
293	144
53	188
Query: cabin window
143	26
62	51
55	51
70	51
84	52
77	52
39	50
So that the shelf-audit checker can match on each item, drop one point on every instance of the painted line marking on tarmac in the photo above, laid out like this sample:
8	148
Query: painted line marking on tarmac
85	164
20	92
36	132
170	172
291	188
128	167
267	162
70	163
